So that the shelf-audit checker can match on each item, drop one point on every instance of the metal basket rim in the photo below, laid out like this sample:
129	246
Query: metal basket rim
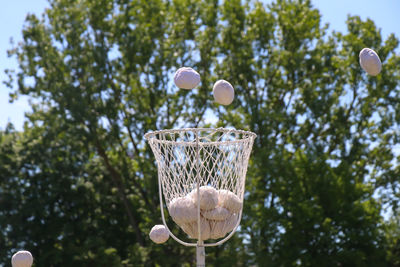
151	136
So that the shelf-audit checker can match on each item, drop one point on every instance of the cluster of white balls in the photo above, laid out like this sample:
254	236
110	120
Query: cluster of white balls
22	258
219	212
370	61
188	78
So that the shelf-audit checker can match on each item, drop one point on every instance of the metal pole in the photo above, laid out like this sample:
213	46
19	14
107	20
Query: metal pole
200	255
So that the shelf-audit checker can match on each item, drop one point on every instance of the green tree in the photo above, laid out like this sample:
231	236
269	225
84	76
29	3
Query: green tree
79	185
392	232
325	133
100	79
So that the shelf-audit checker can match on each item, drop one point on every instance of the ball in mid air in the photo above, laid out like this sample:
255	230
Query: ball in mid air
159	234
370	61
223	92
22	258
186	78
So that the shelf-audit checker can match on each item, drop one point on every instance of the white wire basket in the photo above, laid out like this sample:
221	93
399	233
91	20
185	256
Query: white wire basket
201	175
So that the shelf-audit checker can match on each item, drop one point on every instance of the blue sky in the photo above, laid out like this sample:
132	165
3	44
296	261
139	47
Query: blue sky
12	17
385	14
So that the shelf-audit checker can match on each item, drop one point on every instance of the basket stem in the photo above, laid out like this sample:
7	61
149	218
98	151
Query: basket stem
200	255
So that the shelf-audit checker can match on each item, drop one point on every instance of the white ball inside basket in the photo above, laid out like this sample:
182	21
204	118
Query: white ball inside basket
208	197
220	228
223	92
183	210
22	258
186	78
229	200
217	214
192	230
159	234
370	61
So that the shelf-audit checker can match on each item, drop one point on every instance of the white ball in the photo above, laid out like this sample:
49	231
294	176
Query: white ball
223	92
186	78
370	62
187	228
231	222
229	200
183	210
193	232
220	228
159	234
22	258
208	197
217	214
217	229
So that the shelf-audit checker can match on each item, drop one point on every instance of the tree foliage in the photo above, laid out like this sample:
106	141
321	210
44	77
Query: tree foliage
79	184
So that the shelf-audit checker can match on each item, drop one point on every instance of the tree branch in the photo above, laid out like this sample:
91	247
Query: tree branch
116	178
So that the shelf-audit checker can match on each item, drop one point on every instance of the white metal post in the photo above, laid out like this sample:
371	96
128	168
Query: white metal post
200	256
